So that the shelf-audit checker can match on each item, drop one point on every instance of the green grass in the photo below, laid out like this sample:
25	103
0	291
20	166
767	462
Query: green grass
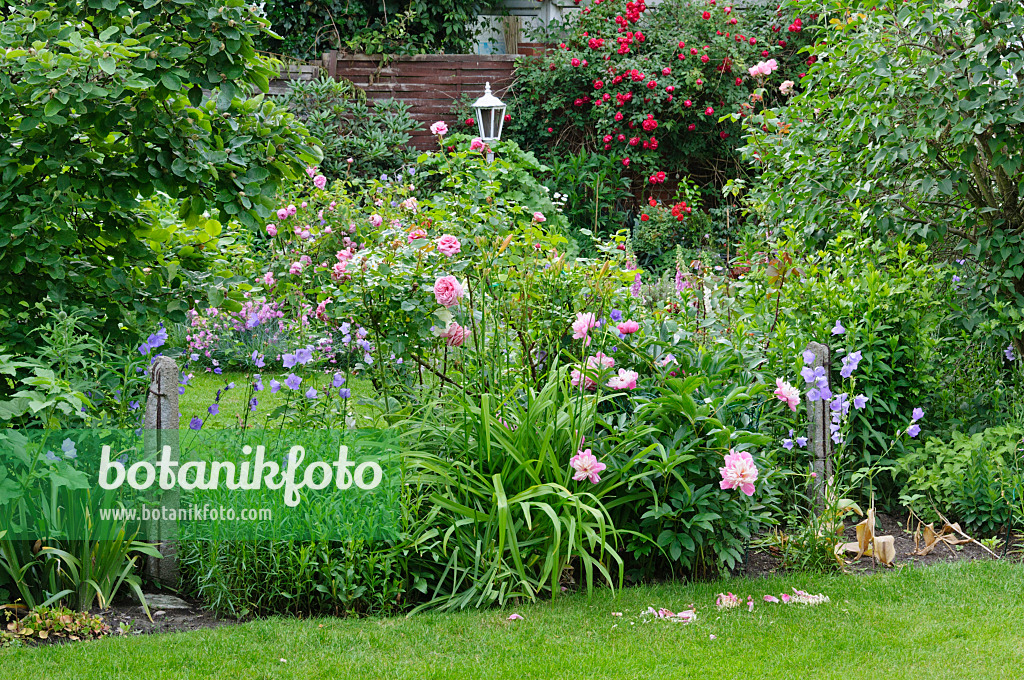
202	390
949	621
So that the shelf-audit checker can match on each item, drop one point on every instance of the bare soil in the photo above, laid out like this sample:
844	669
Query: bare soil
766	562
132	619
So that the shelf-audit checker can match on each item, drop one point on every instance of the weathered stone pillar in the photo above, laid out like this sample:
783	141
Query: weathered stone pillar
160	429
819	435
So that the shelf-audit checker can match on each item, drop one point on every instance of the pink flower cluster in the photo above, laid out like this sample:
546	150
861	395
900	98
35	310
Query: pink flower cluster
763	68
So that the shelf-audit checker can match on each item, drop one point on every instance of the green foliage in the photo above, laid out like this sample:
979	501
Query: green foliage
511	183
57	547
302	578
593	193
304	30
504	519
374	135
107	98
910	122
891	307
677	502
53	624
976	480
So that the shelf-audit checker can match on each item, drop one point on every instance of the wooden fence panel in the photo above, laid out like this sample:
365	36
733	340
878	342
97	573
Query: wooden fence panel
431	83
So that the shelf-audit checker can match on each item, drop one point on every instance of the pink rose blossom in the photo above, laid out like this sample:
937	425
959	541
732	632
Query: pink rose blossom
629	327
376	220
454	335
268	279
296	268
476	144
310	170
319	181
787	393
539	217
439	128
587	467
787	87
449	245
739	472
416	234
448	291
271	230
282	213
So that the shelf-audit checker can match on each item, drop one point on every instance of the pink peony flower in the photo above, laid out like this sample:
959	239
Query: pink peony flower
449	245
439	128
582	325
739	472
787	393
586	467
595	364
625	380
448	291
629	327
319	181
476	144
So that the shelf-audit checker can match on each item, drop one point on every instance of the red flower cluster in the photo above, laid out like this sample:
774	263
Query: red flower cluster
657	178
681	210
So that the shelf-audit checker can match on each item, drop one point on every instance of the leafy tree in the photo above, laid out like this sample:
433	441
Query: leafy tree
911	123
102	106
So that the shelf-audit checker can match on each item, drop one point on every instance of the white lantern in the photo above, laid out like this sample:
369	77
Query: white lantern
490	115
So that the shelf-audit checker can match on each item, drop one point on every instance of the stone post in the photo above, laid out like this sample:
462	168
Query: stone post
819	436
160	429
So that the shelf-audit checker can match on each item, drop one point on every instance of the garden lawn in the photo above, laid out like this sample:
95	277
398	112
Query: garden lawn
960	620
202	390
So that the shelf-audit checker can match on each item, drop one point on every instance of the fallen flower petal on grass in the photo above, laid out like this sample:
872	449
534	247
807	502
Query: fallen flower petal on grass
515	617
803	597
771	598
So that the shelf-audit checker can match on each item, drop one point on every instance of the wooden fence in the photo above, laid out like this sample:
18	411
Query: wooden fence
431	83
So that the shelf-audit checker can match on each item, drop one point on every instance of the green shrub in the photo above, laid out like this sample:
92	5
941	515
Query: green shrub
681	517
632	50
977	480
302	578
504	519
113	113
373	134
